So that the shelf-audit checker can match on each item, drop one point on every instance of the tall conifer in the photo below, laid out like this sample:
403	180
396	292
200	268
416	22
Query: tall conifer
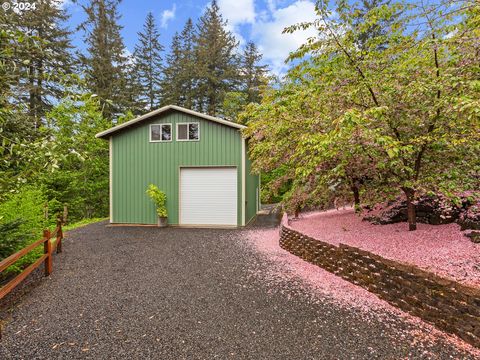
217	61
106	61
41	59
171	74
179	84
254	75
148	63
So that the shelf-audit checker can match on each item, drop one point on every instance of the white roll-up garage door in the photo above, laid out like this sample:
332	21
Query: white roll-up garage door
208	196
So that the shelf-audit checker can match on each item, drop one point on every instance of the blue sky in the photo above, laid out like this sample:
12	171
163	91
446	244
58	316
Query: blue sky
261	21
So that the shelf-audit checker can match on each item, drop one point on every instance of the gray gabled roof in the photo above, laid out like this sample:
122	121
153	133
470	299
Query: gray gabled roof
114	129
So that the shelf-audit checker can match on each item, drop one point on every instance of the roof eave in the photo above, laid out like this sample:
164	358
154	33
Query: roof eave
107	133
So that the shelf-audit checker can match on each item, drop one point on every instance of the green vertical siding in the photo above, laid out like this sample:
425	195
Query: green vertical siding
251	185
137	162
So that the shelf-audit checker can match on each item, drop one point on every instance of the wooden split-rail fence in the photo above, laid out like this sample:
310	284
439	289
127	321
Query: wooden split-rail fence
51	241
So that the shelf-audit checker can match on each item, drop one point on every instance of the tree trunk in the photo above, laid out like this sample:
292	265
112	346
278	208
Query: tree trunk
32	96
356	198
297	212
411	213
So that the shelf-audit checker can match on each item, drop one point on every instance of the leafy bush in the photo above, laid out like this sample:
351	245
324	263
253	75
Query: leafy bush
159	198
11	237
275	184
22	220
29	205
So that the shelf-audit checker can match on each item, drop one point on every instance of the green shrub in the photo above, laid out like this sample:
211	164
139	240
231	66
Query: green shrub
159	198
29	205
11	237
22	221
275	185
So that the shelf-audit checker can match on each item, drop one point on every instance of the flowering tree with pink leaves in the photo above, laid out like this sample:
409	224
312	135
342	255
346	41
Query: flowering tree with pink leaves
398	111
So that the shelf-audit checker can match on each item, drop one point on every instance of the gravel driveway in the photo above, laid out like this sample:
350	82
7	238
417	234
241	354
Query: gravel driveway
148	293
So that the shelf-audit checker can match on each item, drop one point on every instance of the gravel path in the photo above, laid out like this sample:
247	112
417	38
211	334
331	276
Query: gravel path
147	293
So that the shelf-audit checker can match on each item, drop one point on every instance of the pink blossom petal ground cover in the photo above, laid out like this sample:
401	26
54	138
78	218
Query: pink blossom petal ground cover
441	249
321	285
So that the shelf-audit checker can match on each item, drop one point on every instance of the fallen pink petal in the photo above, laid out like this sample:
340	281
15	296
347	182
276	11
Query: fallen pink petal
286	268
441	249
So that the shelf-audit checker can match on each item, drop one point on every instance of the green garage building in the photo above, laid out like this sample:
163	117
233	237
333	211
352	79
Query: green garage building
199	161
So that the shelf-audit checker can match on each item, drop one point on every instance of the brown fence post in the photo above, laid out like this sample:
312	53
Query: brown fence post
59	235
47	249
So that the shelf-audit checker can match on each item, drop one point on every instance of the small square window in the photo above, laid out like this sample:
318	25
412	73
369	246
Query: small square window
160	132
188	131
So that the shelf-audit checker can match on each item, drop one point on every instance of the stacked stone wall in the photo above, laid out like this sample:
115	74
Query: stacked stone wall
447	304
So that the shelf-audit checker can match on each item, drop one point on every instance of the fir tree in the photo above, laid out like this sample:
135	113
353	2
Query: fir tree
188	66
106	61
148	63
254	75
41	58
171	73
179	83
134	96
217	62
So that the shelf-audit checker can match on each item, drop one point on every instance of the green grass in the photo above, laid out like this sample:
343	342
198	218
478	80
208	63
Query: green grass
81	223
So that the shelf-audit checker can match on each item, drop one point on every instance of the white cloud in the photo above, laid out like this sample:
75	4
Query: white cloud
237	11
168	15
267	32
266	26
272	5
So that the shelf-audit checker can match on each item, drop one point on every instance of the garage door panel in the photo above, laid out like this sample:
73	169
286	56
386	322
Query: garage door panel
208	196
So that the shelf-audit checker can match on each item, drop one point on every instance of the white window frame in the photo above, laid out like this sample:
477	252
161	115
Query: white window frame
160	140
188	123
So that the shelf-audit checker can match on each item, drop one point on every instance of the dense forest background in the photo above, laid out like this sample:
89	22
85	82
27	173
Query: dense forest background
54	98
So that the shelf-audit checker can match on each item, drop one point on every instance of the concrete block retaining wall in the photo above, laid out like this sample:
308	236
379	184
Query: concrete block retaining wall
447	304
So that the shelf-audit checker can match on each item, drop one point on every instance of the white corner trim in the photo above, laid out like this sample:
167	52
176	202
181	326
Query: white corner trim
243	180
110	170
259	192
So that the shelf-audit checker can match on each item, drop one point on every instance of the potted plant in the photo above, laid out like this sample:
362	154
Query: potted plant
160	199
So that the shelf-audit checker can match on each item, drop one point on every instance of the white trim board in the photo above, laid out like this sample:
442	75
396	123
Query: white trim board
243	180
110	177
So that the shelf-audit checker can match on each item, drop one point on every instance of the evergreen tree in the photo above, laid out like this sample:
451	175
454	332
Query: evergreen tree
106	61
41	57
254	75
148	63
188	66
179	82
134	97
217	61
171	74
